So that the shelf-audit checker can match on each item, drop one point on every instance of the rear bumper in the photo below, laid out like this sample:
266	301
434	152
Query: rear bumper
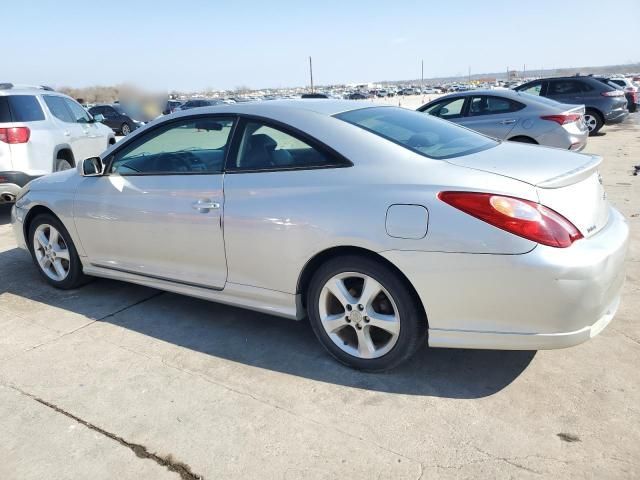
11	183
547	298
616	116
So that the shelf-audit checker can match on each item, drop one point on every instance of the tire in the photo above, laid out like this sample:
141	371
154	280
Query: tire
594	121
528	140
340	325
63	164
125	129
62	251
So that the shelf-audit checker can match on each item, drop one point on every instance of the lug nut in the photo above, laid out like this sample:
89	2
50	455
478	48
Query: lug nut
359	327
366	319
347	319
360	307
349	307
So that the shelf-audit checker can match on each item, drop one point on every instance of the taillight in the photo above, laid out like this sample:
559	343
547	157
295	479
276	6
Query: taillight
521	217
613	93
563	119
15	135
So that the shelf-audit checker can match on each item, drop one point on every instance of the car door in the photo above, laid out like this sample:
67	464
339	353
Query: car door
95	140
73	132
491	115
82	144
273	182
111	117
157	210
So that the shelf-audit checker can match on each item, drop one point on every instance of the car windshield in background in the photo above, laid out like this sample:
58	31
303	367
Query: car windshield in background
419	132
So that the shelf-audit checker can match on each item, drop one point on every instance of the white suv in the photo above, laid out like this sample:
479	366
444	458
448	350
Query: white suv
42	131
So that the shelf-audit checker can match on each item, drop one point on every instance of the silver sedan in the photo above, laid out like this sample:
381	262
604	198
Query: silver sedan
515	116
387	228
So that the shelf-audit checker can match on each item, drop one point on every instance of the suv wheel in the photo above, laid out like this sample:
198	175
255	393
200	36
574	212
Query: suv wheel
54	253
62	164
593	121
364	315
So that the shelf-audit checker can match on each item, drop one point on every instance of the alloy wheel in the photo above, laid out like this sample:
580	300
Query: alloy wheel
359	315
126	130
52	252
591	122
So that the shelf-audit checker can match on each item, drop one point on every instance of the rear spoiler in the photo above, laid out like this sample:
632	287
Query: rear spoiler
573	176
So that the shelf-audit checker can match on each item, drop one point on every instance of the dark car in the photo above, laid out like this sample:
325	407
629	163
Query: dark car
314	95
171	106
117	118
198	102
357	96
604	104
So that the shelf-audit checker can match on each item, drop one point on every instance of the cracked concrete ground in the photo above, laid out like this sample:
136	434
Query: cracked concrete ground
119	381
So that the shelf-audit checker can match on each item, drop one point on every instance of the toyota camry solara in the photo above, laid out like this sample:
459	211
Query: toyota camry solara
387	228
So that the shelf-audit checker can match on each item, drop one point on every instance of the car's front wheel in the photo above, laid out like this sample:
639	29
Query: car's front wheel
54	253
125	129
365	314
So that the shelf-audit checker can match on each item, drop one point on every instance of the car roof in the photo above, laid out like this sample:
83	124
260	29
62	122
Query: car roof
26	90
322	106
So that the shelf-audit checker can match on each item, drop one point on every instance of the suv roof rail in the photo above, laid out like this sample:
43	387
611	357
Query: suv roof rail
6	86
47	88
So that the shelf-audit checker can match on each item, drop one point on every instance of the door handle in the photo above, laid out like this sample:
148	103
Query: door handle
508	122
66	133
204	205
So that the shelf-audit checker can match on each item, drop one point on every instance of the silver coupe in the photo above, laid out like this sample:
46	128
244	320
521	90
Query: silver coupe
389	229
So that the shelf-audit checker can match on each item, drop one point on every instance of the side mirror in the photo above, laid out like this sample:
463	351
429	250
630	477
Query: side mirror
92	167
99	118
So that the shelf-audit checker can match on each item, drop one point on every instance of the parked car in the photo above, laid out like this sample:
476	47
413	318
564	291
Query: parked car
515	116
357	96
200	102
388	228
630	91
171	106
314	95
117	118
604	104
42	131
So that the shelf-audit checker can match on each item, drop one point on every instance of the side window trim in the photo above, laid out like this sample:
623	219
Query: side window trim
238	132
147	133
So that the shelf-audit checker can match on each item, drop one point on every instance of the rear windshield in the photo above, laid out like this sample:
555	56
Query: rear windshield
20	108
419	132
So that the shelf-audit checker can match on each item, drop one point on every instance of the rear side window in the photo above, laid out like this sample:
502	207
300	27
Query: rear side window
22	108
5	113
532	88
447	109
564	87
58	108
418	132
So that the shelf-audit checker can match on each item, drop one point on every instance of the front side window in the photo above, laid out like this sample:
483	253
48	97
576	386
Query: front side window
447	109
420	133
489	105
192	146
268	148
58	108
79	114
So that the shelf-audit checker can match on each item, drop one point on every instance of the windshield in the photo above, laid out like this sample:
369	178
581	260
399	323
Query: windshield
419	132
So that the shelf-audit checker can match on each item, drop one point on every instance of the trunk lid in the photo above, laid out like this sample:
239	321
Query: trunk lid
566	182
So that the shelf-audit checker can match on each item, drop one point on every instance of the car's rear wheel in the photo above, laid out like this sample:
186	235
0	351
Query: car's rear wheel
63	164
54	253
365	314
594	121
125	129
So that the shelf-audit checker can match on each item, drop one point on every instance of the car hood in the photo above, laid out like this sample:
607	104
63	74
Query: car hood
539	166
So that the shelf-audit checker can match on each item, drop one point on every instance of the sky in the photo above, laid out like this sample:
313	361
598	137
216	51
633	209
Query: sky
191	45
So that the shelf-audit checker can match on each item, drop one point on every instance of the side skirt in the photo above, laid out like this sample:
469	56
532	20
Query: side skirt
253	298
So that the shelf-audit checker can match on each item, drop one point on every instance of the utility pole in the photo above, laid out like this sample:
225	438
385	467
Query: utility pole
311	73
422	77
469	77
524	70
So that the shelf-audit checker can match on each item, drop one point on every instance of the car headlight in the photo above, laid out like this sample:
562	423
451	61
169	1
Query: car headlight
23	191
